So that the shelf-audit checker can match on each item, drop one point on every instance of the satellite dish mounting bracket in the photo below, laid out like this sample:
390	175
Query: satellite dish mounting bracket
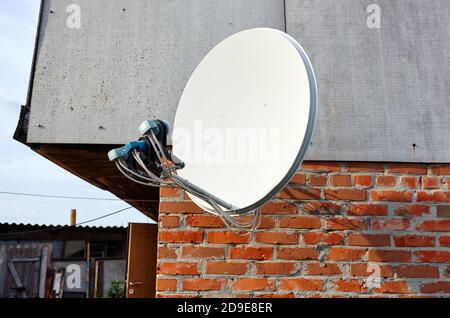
150	162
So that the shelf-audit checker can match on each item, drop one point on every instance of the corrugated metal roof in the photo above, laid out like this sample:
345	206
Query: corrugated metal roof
21	231
61	225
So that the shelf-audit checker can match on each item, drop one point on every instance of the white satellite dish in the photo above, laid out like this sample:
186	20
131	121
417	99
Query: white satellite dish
256	81
242	126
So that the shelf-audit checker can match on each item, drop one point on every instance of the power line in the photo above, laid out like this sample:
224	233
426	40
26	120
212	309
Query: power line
103	216
65	226
48	196
56	196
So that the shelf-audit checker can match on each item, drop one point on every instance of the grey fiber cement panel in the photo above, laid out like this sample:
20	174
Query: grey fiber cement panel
381	91
129	61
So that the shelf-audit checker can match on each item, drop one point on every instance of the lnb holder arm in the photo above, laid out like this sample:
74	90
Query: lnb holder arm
149	161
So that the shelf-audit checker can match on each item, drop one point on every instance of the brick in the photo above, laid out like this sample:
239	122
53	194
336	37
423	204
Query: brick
297	253
345	224
298	179
391	195
357	239
169	221
412	210
179	207
414	240
417	272
435	287
409	182
385	181
318	181
166	284
321	166
313	238
166	252
322	208
365	270
406	168
226	268
433	256
444	241
345	254
177	268
253	284
181	237
345	194
300	222
391	225
275	268
389	256
434	226
341	180
276	238
300	194
226	237
393	287
203	284
204	221
443	211
350	286
169	192
165	295
250	252
278	208
431	183
434	196
440	170
325	269
202	252
363	181
267	223
277	295
301	284
367	209
365	167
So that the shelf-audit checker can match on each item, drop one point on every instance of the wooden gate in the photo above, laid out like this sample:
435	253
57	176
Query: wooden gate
23	270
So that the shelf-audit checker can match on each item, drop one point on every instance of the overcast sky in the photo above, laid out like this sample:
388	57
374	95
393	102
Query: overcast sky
22	170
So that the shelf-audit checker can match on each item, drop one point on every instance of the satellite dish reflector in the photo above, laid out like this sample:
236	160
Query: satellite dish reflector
246	117
242	127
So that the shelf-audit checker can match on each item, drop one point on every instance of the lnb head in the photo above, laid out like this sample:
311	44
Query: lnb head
116	153
124	151
149	125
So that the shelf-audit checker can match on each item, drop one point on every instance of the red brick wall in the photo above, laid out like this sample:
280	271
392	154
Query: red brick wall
318	237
